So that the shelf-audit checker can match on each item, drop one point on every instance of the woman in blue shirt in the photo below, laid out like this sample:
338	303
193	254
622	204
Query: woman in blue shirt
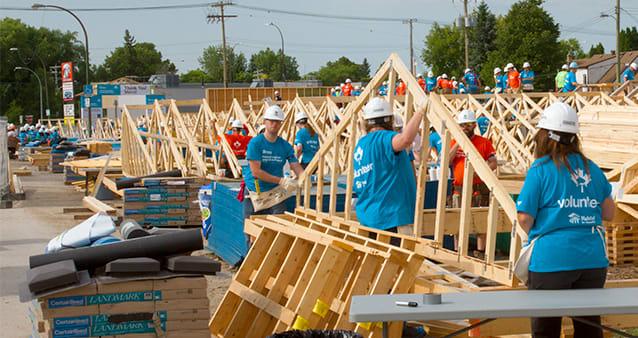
383	177
570	79
500	81
562	205
306	140
527	77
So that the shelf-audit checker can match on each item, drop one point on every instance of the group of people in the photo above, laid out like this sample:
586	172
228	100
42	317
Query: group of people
31	134
346	89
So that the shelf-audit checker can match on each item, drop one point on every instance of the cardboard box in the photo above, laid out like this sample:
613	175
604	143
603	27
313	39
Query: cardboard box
181	325
139	285
70	311
129	307
183	304
180	283
183	294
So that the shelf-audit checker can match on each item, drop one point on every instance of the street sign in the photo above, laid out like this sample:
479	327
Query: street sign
67	71
108	89
88	90
69	110
67	91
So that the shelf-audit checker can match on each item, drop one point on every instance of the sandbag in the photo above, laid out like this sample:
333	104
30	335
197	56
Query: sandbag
95	227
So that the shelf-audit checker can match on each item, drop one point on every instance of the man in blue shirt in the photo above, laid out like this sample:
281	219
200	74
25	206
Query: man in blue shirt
570	79
500	81
435	141
527	77
629	73
306	140
430	82
472	81
383	177
267	154
383	89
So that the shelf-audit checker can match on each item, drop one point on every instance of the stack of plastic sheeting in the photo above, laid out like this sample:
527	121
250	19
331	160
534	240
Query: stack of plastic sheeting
95	227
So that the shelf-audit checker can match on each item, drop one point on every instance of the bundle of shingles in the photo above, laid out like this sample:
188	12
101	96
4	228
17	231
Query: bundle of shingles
148	286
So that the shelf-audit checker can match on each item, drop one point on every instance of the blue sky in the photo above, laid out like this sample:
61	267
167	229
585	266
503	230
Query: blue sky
182	34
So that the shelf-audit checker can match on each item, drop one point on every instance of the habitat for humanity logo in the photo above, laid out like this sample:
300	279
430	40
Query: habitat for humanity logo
574	218
358	155
581	179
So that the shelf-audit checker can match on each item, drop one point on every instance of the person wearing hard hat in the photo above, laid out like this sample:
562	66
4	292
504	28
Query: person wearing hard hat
500	81
481	193
559	80
54	137
401	88
23	136
267	154
471	81
487	90
430	82
383	89
420	80
347	88
629	73
237	140
277	96
513	78
306	140
13	143
562	206
527	77
356	91
570	80
383	180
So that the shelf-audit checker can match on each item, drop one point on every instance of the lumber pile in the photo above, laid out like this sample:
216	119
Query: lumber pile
40	160
163	202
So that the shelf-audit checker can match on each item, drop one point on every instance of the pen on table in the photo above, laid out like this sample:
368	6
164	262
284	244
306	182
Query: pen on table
409	304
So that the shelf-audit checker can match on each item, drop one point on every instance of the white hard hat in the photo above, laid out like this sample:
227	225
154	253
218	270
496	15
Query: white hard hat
274	113
237	124
462	91
573	64
375	108
559	116
564	67
385	82
337	88
454	83
398	121
453	77
526	65
276	92
419	75
487	88
467	70
466	116
444	76
348	80
634	66
430	74
509	66
497	70
300	116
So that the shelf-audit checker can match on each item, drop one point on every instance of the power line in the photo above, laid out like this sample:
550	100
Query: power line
117	9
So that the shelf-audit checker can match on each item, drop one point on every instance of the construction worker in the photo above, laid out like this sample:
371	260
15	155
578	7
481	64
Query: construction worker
338	91
435	141
54	137
527	77
445	85
471	81
306	140
267	154
237	140
481	193
562	206
383	178
559	80
347	88
277	96
401	88
513	78
455	87
383	89
570	80
629	73
500	81
421	81
487	90
356	91
430	82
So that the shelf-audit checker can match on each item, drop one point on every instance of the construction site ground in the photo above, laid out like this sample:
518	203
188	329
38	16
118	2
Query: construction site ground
25	230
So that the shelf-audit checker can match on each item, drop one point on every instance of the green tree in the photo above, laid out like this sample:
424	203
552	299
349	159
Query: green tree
527	34
335	72
195	76
212	62
267	63
443	51
596	49
137	59
629	39
571	47
35	47
482	35
365	69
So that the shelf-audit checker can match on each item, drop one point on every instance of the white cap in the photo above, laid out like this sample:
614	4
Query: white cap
430	74
419	75
398	121
444	76
274	113
559	116
509	66
466	116
375	108
634	66
237	124
467	70
564	67
300	116
526	65
348	80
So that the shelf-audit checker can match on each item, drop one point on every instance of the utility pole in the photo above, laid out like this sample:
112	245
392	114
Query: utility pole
221	18
618	41
412	66
466	24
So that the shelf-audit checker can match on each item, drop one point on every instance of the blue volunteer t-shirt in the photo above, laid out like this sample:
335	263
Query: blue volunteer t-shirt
383	90
384	182
501	82
566	209
273	157
472	82
309	144
435	141
569	79
483	122
430	83
627	75
527	77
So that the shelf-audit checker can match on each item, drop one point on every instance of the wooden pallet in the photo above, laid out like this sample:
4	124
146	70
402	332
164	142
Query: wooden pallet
622	243
298	278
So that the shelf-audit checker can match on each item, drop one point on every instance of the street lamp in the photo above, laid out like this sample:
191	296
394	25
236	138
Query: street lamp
86	49
39	82
282	73
44	70
617	18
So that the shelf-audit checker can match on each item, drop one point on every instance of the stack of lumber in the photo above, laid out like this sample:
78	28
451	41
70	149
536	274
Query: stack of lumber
175	307
40	160
164	202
